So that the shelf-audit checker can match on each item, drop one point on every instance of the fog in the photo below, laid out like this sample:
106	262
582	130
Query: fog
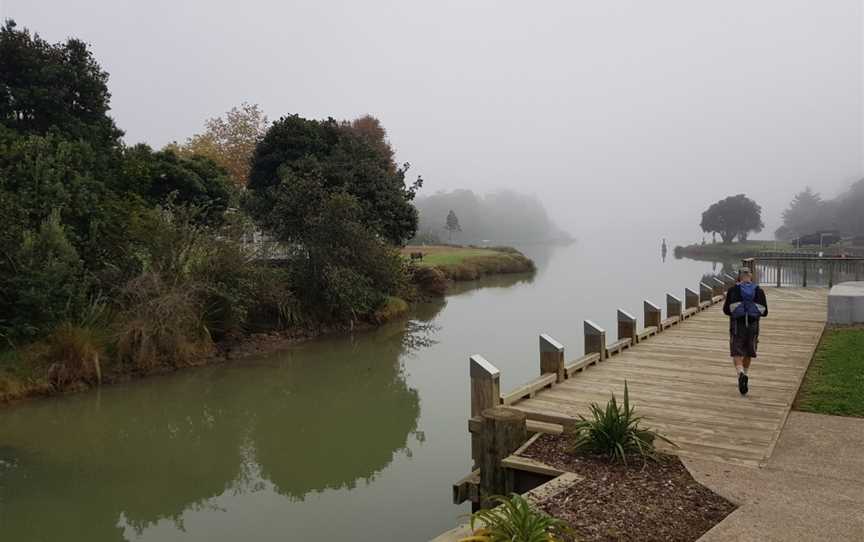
626	116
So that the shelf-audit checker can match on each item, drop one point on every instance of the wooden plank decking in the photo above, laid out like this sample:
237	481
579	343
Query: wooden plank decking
683	383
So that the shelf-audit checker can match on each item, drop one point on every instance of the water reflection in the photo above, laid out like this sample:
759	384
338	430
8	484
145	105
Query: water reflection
323	415
495	281
341	439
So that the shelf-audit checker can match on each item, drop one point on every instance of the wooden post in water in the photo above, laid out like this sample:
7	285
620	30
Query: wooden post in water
652	315
551	357
691	299
626	326
705	292
595	339
673	307
504	430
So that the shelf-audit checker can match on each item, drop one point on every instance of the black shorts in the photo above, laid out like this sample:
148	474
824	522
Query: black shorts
744	343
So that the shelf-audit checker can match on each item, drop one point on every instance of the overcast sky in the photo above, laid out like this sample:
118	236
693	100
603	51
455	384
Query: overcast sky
626	115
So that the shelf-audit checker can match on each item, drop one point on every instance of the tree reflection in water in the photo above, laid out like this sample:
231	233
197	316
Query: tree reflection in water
322	415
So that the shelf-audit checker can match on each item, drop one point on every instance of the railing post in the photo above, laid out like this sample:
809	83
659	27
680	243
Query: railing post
804	274
485	393
673	307
626	326
652	315
485	384
858	265
691	299
595	339
779	274
705	292
830	273
551	357
729	280
719	286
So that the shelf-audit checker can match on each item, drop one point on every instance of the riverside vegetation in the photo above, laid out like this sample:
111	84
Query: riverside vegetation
442	264
121	260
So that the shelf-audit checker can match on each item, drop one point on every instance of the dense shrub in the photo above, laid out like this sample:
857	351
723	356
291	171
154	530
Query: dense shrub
44	283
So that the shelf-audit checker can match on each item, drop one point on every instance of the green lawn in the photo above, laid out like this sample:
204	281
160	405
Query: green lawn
731	250
834	384
443	255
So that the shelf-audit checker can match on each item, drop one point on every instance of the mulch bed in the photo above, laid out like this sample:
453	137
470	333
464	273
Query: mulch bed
644	501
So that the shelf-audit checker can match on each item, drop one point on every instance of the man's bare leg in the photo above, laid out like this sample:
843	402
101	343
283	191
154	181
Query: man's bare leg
741	365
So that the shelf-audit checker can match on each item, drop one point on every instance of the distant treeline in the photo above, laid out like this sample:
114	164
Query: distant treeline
809	213
502	216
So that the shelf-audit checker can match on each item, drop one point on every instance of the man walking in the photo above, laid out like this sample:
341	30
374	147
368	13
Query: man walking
745	304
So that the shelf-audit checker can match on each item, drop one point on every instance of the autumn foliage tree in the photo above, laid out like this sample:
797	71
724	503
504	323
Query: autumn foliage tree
229	140
735	216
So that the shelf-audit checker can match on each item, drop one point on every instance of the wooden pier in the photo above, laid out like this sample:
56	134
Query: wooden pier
679	374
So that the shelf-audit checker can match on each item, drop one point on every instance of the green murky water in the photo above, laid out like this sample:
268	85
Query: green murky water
345	438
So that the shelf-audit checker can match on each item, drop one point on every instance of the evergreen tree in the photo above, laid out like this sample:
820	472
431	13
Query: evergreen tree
452	224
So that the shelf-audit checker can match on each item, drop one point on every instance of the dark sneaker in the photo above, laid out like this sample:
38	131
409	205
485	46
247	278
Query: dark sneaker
742	383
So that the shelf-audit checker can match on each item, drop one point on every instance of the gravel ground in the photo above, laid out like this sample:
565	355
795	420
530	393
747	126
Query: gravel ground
640	501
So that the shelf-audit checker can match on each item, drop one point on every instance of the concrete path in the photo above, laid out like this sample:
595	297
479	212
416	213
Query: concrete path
812	487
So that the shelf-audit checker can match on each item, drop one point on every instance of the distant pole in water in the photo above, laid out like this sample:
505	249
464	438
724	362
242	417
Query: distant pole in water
663	249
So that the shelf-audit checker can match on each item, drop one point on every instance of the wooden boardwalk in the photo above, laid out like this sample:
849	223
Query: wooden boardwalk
683	383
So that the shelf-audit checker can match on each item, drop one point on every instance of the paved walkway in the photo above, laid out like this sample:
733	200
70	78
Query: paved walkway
682	381
811	489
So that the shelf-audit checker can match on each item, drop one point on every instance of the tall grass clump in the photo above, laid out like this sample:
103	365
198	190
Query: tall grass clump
161	323
614	432
515	520
74	354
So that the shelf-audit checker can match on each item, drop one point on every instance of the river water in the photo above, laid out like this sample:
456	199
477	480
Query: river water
344	438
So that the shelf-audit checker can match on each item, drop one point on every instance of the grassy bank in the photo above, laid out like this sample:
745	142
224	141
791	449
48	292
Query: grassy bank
80	357
725	252
834	383
444	263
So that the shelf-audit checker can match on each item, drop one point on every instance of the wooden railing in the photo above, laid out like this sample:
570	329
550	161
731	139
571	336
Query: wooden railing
486	394
805	271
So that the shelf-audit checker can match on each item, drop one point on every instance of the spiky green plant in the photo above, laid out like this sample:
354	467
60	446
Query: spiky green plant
515	520
615	432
